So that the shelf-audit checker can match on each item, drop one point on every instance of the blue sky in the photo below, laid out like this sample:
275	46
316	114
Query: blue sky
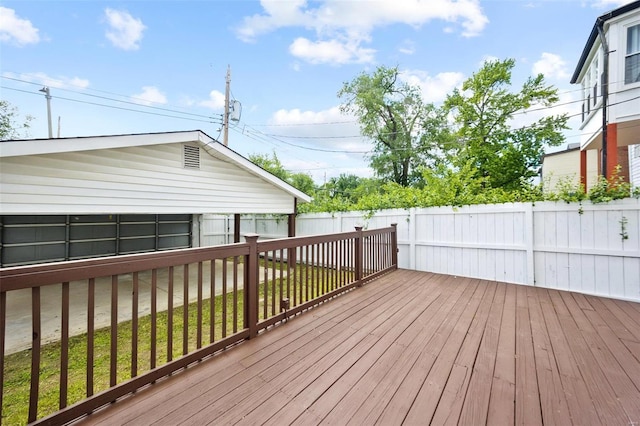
152	66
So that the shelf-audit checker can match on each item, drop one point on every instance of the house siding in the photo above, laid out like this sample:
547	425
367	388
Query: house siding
142	179
634	165
562	166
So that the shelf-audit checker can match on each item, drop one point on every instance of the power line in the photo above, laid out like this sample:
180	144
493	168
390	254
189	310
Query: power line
83	93
112	106
304	124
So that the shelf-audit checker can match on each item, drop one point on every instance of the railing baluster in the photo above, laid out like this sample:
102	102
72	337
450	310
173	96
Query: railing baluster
91	309
154	318
314	271
134	326
3	327
324	268
306	273
224	297
64	347
273	284
281	290
340	263
295	278
265	287
288	277
235	294
35	354
185	309
334	269
212	303
113	372
199	313
170	315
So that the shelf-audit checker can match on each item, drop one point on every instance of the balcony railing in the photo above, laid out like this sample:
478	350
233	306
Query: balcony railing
128	321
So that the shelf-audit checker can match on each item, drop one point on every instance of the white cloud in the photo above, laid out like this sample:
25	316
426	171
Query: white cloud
16	30
125	31
332	15
552	66
53	82
330	52
408	47
328	129
487	58
215	101
150	95
434	88
342	27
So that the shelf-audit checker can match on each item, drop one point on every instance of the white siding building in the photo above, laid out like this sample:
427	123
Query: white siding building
92	196
609	73
564	167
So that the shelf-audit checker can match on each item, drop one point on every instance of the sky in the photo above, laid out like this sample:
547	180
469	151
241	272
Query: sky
145	66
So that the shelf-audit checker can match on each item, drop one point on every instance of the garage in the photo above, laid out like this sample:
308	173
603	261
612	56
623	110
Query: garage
77	198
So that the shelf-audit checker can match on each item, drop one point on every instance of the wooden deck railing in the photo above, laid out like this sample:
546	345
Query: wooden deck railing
132	320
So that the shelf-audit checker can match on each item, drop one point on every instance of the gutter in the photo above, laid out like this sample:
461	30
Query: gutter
604	84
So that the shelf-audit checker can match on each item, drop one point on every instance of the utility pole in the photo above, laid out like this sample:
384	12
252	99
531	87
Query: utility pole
225	118
47	94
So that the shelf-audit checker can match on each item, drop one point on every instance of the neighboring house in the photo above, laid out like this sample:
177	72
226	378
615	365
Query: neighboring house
74	198
609	73
564	167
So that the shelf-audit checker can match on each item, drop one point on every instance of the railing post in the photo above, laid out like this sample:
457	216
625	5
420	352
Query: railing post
394	245
359	255
251	286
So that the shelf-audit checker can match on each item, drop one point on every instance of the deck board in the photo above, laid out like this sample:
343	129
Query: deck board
416	348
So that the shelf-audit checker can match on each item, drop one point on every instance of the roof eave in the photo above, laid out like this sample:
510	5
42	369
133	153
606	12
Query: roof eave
241	161
601	20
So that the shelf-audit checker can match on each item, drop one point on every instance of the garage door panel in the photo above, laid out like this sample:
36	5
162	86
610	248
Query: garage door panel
35	239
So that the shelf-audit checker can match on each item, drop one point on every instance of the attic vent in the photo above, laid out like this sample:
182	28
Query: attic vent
191	156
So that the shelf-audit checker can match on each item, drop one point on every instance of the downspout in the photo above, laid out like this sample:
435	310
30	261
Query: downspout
605	92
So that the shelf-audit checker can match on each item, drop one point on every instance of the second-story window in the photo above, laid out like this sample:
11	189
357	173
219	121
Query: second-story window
594	79
632	58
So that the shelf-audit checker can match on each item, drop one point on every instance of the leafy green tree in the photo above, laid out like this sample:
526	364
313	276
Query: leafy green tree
482	133
272	164
303	182
343	186
10	128
394	116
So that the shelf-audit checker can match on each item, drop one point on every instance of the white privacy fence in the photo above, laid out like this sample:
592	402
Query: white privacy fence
586	248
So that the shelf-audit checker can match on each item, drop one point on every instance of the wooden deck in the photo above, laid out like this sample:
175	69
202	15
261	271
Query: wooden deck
417	348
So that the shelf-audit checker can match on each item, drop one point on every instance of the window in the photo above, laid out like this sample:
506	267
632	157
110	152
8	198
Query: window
632	58
594	79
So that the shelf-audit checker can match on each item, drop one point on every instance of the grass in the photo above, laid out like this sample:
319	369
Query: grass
18	373
308	285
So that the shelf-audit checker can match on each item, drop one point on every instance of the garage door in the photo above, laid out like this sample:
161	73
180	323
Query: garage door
37	239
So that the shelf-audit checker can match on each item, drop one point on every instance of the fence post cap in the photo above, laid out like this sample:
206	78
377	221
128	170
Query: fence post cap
251	237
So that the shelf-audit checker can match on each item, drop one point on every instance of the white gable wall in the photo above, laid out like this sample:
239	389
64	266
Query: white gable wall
139	179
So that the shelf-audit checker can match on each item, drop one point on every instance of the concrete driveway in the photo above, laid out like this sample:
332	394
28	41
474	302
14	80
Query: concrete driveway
18	320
